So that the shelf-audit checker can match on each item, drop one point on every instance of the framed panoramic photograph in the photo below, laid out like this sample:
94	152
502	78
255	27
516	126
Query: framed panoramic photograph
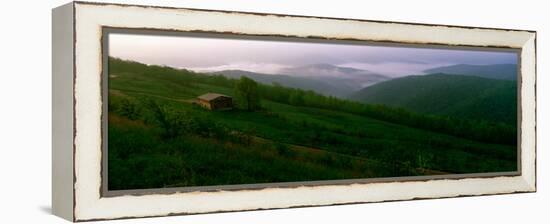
165	111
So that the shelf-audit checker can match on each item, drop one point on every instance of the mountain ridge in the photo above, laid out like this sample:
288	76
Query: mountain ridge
445	94
326	79
492	71
286	80
351	78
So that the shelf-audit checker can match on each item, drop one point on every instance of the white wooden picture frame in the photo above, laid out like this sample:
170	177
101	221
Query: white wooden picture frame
77	111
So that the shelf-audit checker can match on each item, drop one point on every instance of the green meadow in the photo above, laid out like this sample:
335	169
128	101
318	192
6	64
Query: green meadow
158	137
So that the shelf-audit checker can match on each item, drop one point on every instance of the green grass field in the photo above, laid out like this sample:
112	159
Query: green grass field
158	138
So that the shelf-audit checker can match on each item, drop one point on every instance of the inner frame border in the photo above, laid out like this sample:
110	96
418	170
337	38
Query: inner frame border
106	30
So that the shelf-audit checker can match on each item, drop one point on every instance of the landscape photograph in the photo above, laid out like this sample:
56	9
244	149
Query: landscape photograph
196	111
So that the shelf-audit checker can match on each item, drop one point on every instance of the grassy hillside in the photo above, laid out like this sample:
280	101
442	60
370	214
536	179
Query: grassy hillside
498	71
158	138
455	95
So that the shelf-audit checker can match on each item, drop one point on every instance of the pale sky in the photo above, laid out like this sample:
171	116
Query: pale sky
215	54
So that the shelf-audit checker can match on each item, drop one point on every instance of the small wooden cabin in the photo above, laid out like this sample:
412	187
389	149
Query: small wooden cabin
215	101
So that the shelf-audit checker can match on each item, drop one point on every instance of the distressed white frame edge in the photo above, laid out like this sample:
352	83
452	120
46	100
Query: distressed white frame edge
89	20
62	111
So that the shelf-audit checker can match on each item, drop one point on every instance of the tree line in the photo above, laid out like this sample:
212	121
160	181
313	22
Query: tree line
479	130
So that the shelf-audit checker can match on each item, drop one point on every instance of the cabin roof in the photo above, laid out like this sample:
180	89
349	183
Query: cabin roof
211	96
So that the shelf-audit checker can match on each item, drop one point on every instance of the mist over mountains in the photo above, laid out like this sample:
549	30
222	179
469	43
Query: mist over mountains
322	78
332	72
346	82
346	77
